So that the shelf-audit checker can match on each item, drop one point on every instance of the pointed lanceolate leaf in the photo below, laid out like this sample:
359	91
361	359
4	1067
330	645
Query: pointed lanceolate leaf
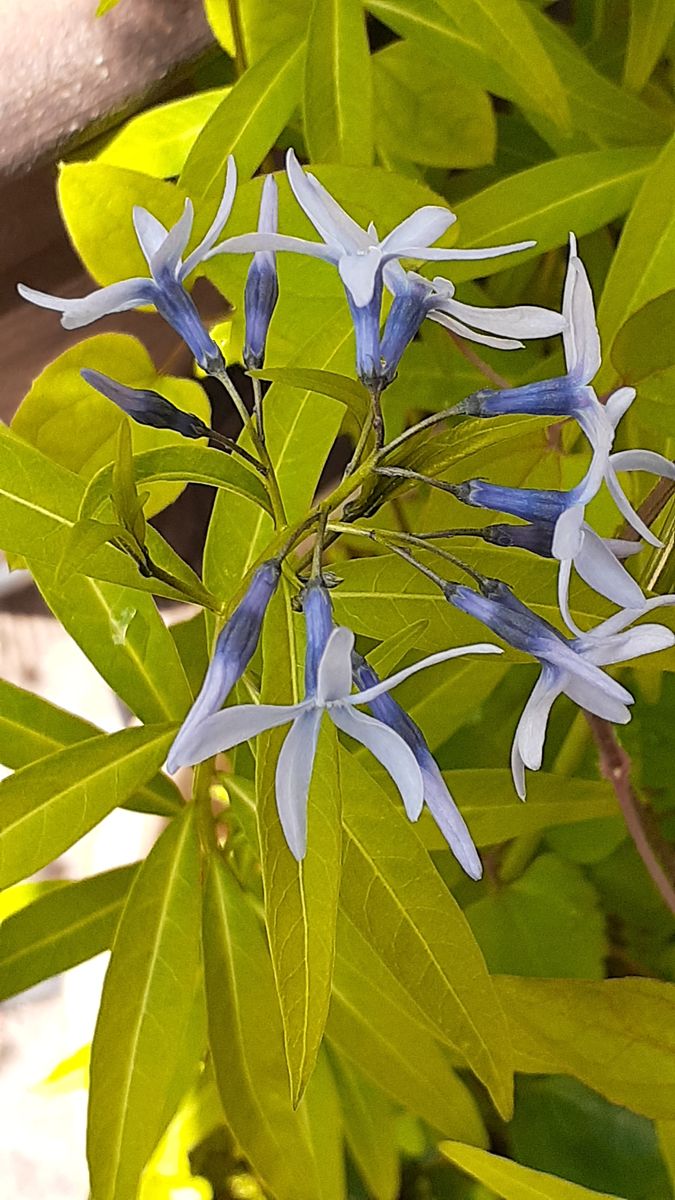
148	1043
246	1042
513	1182
616	1036
300	898
394	896
31	728
374	1023
69	924
247	122
324	1121
49	805
650	24
370	1131
338	84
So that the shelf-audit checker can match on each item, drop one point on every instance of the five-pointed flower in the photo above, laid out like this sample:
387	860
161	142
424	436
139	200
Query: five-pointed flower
436	795
570	666
416	298
328	683
163	250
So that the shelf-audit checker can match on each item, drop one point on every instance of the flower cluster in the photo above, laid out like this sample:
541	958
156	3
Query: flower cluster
555	523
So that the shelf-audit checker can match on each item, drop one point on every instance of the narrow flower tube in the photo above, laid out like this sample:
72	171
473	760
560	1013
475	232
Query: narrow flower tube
436	795
235	647
262	285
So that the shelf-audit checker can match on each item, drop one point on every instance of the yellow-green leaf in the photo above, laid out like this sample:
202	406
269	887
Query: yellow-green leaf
49	805
338	84
300	898
650	24
513	1182
152	1003
617	1036
394	896
158	141
60	929
370	1132
246	1042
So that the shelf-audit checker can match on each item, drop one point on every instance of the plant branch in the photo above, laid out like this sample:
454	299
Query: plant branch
615	766
476	361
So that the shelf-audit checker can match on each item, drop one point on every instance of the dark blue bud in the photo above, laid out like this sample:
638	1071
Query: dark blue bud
538	539
262	286
146	407
559	397
234	649
531	504
318	610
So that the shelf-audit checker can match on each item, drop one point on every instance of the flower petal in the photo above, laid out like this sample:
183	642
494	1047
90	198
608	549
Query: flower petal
634	643
449	819
294	773
358	273
117	297
566	658
328	217
421	228
388	748
523	321
216	227
643	460
251	243
599	568
334	676
564	573
386	685
626	509
580	339
567	535
166	259
149	231
595	701
228	728
528	742
439	254
463	331
619	403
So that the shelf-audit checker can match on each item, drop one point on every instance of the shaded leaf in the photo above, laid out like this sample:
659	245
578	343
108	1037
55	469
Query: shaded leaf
616	1036
392	893
547	922
338	100
369	1128
246	1042
644	344
152	999
426	115
73	922
49	805
513	1182
650	24
324	1119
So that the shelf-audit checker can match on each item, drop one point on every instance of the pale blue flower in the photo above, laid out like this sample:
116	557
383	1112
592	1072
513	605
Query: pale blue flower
163	250
262	285
235	647
436	795
328	688
569	666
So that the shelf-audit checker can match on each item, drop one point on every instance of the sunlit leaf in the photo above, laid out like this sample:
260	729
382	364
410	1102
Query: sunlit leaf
158	141
151	1001
247	122
650	24
369	1128
338	101
300	898
49	805
246	1042
60	929
393	895
31	728
513	1182
324	1119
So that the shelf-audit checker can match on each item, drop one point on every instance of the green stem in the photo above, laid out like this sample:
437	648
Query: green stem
249	424
238	35
360	449
202	779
